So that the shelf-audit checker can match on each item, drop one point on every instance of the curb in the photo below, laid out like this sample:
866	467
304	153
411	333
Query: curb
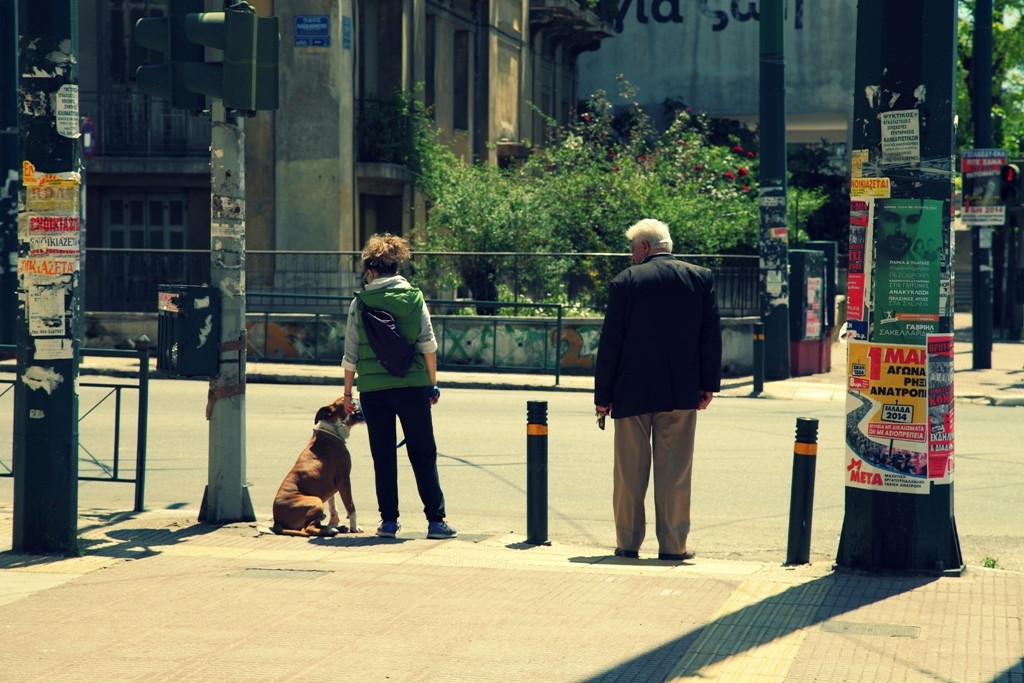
736	391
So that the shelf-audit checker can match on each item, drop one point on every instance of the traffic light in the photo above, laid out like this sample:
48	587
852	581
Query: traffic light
247	78
167	35
1010	189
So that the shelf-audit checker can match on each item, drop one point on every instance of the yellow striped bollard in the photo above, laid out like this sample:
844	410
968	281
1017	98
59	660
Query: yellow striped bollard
537	472
801	497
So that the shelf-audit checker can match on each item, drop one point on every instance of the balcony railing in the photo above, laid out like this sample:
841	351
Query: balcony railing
133	124
128	279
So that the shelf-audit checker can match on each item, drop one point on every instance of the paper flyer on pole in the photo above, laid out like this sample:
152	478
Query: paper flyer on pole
887	418
981	202
901	136
907	268
859	261
940	408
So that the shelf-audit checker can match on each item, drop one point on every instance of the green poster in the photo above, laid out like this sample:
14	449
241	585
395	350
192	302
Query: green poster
908	254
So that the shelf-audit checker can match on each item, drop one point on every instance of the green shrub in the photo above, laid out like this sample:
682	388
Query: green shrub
580	191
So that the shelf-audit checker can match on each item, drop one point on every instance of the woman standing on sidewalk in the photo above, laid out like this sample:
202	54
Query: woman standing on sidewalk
384	396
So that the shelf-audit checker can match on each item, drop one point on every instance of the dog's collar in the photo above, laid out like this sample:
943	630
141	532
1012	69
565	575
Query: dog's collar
328	427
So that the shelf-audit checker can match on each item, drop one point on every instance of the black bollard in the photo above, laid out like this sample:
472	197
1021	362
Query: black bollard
758	358
801	497
537	472
142	346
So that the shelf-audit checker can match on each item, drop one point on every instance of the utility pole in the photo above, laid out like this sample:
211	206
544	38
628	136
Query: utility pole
9	171
49	280
899	425
244	82
774	240
981	235
227	498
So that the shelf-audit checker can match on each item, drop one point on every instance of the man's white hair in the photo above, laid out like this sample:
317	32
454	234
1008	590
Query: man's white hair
652	231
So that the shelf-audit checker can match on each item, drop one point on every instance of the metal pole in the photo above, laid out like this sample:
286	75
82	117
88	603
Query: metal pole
227	498
801	495
774	232
558	348
9	168
981	297
981	68
981	236
758	358
537	472
49	280
142	346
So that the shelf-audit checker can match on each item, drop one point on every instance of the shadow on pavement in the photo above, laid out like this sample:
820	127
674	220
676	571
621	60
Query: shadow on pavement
760	623
354	541
119	543
642	562
1014	674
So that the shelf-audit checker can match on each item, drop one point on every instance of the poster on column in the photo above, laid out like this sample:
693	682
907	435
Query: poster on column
981	202
907	265
859	261
940	408
887	417
45	304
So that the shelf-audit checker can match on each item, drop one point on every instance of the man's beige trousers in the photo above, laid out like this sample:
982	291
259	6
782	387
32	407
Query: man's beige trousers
668	436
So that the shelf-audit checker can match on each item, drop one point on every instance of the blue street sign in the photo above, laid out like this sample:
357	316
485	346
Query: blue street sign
88	139
312	30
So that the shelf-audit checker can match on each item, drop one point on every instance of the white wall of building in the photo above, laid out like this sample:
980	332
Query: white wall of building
705	52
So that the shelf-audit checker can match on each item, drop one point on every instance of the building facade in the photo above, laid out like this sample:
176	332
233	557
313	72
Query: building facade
706	54
327	169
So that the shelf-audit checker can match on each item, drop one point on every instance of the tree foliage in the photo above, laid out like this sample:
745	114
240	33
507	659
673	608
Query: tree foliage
1007	76
578	193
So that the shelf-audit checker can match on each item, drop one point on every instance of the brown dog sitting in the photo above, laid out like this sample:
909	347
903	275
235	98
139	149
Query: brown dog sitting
323	469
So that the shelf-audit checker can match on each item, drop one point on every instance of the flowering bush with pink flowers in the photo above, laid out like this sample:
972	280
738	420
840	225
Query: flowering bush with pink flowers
590	181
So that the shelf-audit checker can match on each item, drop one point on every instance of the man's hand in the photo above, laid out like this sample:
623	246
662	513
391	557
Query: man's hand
705	399
604	410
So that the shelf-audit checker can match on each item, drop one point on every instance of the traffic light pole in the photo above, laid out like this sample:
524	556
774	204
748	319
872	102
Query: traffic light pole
981	235
49	280
9	168
245	81
227	498
774	234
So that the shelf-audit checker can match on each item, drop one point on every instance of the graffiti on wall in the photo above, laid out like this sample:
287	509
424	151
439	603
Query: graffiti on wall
517	345
579	346
295	340
669	12
484	343
466	344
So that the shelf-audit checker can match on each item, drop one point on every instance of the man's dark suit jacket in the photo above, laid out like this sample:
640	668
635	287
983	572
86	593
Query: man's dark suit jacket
661	344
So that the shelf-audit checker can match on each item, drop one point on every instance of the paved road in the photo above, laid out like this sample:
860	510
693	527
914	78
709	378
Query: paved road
742	470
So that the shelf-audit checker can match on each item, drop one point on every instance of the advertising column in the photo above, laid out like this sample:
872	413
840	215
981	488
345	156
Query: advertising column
899	412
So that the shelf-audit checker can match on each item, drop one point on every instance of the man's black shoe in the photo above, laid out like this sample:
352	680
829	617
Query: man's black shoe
631	554
671	557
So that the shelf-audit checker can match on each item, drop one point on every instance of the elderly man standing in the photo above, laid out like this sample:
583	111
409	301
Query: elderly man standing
658	363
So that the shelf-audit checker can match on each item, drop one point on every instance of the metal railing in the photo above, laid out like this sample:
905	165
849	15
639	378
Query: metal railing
333	311
133	124
127	280
111	468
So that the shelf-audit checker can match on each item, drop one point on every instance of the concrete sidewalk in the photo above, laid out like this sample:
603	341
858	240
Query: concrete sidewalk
158	597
